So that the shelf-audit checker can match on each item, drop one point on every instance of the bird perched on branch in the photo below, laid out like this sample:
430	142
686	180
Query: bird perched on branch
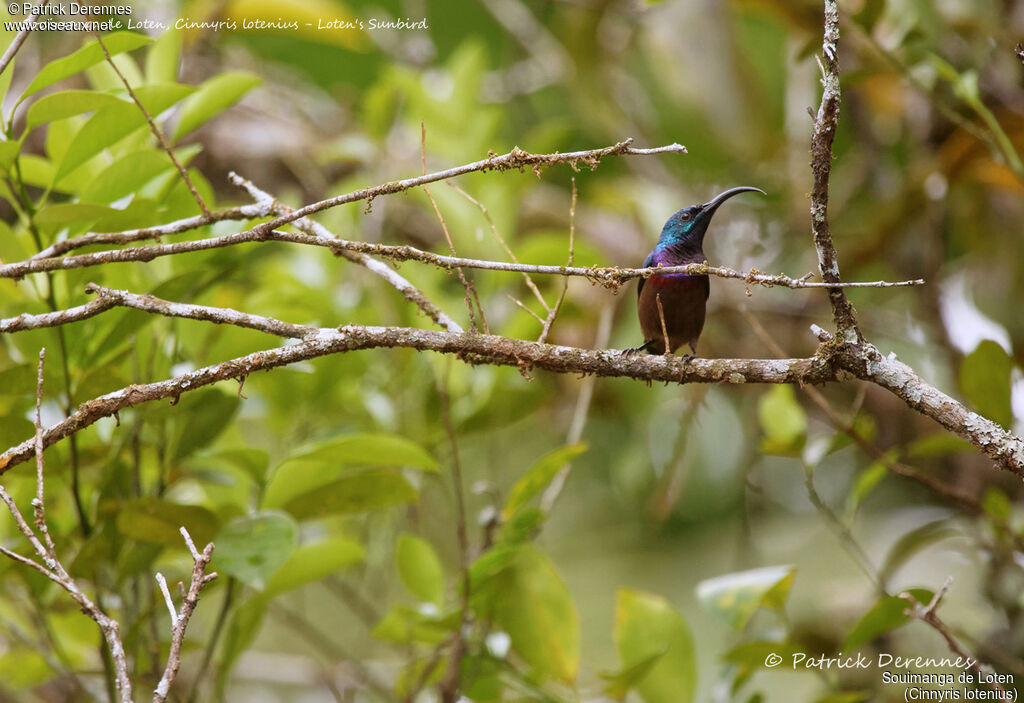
671	305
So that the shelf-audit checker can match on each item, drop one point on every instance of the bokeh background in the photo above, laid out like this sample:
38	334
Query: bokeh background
678	484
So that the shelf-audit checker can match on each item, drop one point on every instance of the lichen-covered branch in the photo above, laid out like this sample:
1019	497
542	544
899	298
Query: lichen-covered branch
245	212
25	321
825	124
471	348
200	560
612	276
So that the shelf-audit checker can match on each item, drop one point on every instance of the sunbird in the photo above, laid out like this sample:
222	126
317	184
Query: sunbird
678	298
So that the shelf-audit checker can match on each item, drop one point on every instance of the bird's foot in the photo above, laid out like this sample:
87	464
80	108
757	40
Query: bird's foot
687	358
646	346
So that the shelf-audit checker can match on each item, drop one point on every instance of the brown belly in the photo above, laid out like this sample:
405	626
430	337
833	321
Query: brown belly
683	300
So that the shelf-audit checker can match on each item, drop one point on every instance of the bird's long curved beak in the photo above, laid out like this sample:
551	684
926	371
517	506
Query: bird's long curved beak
712	205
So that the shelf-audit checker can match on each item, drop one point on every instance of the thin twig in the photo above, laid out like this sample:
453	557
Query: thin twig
39	504
52	569
157	132
664	327
167	597
553	312
928	615
20	38
179	620
470	289
504	245
521	304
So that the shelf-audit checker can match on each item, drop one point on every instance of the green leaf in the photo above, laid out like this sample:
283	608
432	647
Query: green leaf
54	217
213	97
405	625
128	174
152	519
913	542
357	491
522	594
985	381
314	562
621	682
866	482
737	596
646	625
783	420
59	106
241	632
752	655
87	56
539	476
8	153
523	526
316	466
113	123
253	548
886	615
36	170
252	461
997	504
202	416
162	58
870	12
420	569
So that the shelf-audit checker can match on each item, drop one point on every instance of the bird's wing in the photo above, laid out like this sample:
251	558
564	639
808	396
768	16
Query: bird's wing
649	261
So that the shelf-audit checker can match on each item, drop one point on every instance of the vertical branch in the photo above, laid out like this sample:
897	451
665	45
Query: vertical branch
160	138
825	123
449	686
38	505
51	566
179	620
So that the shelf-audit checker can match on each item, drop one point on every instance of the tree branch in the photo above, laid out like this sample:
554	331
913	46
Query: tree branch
471	348
245	212
825	124
180	619
26	321
610	276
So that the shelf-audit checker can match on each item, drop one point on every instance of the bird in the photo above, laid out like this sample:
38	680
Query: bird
672	305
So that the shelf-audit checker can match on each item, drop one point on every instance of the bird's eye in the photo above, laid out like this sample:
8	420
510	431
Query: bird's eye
685	216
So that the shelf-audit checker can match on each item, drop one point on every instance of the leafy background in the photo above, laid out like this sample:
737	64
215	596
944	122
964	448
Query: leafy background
686	543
